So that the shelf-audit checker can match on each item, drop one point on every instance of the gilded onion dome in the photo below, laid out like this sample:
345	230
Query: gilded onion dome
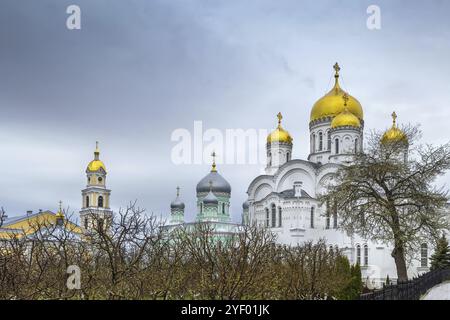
345	118
96	164
331	104
60	213
279	134
394	134
219	183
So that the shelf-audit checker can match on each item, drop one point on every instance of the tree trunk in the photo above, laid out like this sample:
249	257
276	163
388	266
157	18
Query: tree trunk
399	257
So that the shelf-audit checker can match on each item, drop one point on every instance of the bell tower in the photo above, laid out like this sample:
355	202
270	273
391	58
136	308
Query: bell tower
95	213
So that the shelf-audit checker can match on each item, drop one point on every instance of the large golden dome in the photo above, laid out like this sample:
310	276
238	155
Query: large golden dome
345	118
331	104
394	134
279	134
96	164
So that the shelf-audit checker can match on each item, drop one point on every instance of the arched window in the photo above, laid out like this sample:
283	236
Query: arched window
335	221
358	254
288	156
320	141
87	201
328	140
328	216
270	159
100	202
267	218
312	218
86	223
356	145
223	208
424	255
274	216
280	216
366	255
336	145
201	207
314	143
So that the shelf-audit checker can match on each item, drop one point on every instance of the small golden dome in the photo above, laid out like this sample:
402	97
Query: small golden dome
96	164
60	213
279	134
345	118
394	134
331	104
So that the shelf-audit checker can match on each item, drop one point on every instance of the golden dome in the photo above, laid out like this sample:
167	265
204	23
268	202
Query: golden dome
279	134
394	134
345	118
331	104
96	164
60	213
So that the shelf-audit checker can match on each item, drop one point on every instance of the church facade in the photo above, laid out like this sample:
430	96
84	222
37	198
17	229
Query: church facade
284	199
213	206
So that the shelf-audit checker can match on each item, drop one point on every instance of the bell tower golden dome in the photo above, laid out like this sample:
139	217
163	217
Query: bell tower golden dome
394	134
331	104
96	164
279	134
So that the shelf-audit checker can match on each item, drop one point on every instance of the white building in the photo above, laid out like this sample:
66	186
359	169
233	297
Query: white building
285	198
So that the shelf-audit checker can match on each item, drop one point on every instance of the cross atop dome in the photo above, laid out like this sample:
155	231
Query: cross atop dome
214	169
280	117
337	69
345	98
394	118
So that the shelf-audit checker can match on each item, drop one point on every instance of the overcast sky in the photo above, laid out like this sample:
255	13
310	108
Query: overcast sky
138	69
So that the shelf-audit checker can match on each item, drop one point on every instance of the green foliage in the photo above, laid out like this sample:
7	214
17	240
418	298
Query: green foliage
441	257
388	281
353	282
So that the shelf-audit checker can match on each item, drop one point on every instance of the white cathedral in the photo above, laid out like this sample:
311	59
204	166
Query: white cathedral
285	198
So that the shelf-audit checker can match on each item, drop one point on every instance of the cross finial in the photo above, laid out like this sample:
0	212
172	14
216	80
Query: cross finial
394	118
213	169
178	191
337	69
97	151
280	117
345	97
60	205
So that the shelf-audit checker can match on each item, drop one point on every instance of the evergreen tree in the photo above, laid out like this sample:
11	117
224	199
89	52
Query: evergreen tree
388	281
441	257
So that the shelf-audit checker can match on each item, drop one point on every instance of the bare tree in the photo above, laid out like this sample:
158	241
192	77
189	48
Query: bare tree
389	196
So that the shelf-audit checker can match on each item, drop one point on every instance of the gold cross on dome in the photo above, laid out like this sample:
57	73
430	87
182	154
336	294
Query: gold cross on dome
394	118
279	116
178	191
214	162
345	97
337	68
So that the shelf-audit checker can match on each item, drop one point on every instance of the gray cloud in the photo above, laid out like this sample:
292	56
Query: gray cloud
140	69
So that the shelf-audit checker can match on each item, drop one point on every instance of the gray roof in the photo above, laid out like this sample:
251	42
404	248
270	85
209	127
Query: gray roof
219	184
210	199
177	204
11	220
291	194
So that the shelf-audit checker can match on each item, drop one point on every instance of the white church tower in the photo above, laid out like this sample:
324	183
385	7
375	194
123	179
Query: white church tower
279	148
335	142
95	213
